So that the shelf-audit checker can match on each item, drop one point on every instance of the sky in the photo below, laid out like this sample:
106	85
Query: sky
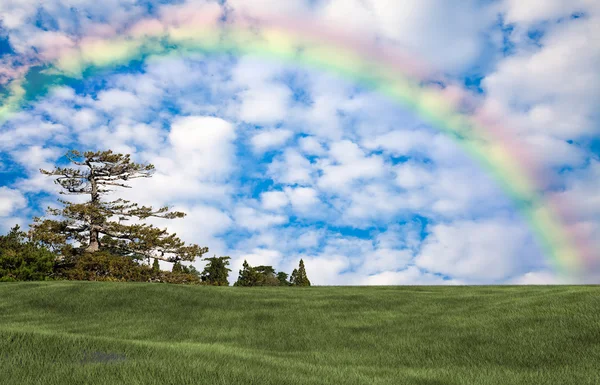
274	161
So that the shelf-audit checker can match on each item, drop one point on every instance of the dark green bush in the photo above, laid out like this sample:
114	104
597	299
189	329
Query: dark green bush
22	260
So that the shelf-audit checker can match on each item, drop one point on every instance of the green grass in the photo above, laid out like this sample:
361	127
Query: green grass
121	333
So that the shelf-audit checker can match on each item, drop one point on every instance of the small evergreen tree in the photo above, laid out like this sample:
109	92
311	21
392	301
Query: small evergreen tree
216	272
247	276
156	266
300	277
293	277
177	268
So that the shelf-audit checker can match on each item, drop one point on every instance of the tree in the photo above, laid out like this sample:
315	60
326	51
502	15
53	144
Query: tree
283	279
177	268
216	272
257	276
23	260
247	276
97	224
156	266
266	276
293	277
299	277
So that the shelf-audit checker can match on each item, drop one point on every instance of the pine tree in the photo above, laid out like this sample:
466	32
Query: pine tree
294	277
216	272
300	277
177	268
247	276
91	226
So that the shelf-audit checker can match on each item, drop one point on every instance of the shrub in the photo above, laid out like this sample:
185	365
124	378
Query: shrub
23	260
103	266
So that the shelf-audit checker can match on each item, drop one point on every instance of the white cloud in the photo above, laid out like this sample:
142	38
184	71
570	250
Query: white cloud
203	144
311	146
270	139
274	200
202	225
302	198
531	11
479	251
291	168
250	218
112	100
554	88
348	163
537	278
449	36
265	105
410	276
10	201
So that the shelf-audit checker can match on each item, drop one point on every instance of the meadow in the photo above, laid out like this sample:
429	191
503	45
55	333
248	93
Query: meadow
135	333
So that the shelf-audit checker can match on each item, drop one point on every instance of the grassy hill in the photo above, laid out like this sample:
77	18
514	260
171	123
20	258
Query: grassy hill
120	333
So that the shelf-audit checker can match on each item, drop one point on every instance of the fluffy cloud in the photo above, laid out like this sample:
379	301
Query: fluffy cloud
252	219
10	200
270	139
347	163
203	143
478	250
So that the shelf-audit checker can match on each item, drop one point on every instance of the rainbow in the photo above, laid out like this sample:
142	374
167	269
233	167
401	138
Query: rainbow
399	77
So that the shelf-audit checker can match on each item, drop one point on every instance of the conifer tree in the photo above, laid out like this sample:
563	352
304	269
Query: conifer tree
155	266
247	276
299	276
177	268
216	272
293	277
97	224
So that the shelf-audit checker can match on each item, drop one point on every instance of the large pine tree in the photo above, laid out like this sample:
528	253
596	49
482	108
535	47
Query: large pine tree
98	224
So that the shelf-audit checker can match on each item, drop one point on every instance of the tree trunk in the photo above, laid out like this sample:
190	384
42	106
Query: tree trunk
94	242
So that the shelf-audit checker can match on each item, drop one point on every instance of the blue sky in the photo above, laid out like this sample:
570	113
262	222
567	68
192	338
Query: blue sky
274	163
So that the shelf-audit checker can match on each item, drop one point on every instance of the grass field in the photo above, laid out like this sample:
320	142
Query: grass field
121	333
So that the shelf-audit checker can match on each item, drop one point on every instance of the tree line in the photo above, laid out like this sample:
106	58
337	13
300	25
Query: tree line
93	239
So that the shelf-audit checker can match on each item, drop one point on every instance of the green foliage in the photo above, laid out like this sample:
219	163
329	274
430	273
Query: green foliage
98	224
247	276
283	279
266	276
257	276
155	266
293	277
181	278
103	266
23	260
216	273
177	269
299	277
